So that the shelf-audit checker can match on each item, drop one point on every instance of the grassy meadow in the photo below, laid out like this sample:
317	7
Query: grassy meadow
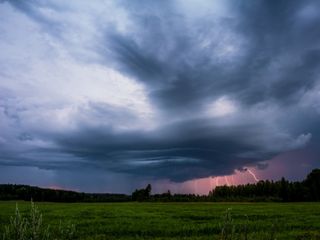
178	220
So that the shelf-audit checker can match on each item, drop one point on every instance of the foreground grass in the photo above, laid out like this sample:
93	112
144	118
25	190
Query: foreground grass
178	220
31	227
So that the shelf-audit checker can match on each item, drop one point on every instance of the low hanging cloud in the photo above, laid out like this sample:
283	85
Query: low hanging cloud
168	90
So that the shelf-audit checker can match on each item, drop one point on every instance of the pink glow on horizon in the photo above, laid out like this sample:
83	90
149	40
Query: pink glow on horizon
205	185
55	187
293	165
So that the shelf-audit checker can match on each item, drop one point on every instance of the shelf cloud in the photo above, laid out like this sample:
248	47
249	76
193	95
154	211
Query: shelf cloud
173	90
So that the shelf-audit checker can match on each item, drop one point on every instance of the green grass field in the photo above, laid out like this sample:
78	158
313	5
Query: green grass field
177	220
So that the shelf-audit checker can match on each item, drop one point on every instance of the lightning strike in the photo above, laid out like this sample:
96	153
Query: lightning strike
253	175
232	179
226	179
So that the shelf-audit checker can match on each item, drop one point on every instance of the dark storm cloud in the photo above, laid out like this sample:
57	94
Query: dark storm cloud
263	56
179	151
281	36
167	54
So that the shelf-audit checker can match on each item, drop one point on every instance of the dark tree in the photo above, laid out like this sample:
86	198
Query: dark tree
142	194
313	184
148	190
284	190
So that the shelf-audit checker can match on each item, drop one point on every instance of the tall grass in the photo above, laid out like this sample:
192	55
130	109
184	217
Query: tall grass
31	227
229	230
145	221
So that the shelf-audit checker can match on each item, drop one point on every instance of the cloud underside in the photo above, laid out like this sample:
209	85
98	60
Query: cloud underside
169	90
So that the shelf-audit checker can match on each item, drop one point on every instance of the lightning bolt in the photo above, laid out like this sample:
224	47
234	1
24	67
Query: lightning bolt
253	175
211	186
232	179
226	179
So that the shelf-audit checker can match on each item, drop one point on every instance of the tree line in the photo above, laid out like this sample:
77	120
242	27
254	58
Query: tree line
25	192
281	191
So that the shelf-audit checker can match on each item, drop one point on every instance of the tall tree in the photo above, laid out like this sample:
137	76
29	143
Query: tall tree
313	184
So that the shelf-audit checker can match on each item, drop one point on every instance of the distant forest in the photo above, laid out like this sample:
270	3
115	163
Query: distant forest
281	191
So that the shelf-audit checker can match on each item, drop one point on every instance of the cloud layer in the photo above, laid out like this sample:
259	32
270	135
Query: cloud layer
157	89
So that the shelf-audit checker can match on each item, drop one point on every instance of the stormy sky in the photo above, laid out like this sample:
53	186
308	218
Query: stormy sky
109	95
